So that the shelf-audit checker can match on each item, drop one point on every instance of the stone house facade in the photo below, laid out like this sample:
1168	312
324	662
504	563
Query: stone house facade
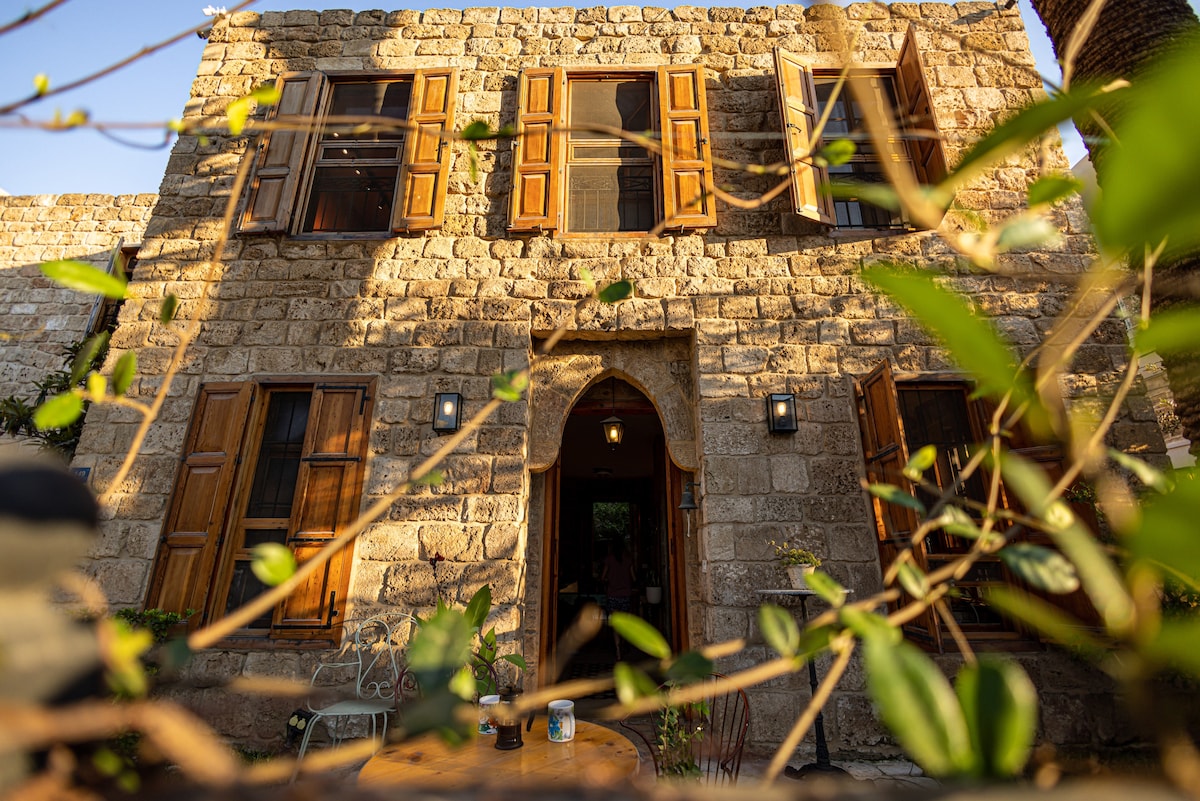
371	271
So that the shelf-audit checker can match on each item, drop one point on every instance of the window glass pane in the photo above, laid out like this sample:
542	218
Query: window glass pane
939	417
614	197
611	102
611	152
279	455
351	199
369	99
244	586
257	536
349	152
852	212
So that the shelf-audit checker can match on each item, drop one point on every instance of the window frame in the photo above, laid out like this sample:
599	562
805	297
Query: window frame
800	113
285	160
202	537
684	176
886	450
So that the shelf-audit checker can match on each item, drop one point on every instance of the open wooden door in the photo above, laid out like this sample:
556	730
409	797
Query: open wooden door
547	670
678	530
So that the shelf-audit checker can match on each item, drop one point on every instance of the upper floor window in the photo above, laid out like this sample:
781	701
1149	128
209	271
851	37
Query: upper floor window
805	95
593	180
336	165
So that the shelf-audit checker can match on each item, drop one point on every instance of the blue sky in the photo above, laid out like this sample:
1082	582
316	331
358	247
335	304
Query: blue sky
83	35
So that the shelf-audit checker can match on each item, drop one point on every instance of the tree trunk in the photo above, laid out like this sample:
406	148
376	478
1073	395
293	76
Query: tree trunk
1128	36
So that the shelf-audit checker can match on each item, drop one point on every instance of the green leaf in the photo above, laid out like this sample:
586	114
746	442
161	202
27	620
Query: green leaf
1167	533
84	277
632	683
970	338
273	563
123	372
893	494
479	606
835	153
1174	644
1148	174
434	478
1041	567
918	705
779	629
515	659
473	162
1173	331
509	386
440	649
1053	188
97	385
1031	123
168	309
881	195
238	111
616	292
58	412
690	666
912	579
919	462
1026	232
1100	578
1048	620
999	703
869	625
640	634
86	357
76	119
476	129
826	588
41	83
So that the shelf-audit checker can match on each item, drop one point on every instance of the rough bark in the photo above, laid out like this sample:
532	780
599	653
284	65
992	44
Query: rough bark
1129	35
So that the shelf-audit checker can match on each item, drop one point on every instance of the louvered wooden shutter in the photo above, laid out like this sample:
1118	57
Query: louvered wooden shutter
886	453
798	110
275	184
187	551
538	155
328	489
687	155
916	113
427	152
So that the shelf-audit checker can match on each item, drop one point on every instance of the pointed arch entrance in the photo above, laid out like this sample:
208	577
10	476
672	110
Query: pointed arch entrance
602	499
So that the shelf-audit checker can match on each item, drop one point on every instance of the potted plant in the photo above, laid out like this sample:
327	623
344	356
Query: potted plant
798	562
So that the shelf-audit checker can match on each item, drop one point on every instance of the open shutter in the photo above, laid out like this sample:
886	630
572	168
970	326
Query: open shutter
427	152
886	453
276	180
329	487
798	109
916	114
187	551
538	154
687	171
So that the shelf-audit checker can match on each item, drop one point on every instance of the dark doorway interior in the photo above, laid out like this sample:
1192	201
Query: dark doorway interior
612	498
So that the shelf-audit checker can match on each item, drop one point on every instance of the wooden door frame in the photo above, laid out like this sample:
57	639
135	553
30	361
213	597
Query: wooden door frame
548	624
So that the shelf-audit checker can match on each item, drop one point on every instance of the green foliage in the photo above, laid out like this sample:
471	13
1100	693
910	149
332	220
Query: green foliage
790	555
835	153
510	386
779	629
1041	567
273	563
158	622
19	415
614	292
640	634
677	729
238	111
85	278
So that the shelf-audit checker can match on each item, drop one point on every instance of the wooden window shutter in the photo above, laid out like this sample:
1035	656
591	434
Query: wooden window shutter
687	170
187	551
328	489
275	184
427	153
798	110
538	157
886	452
916	113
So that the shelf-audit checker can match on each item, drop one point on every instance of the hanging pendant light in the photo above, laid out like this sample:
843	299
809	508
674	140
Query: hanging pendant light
614	428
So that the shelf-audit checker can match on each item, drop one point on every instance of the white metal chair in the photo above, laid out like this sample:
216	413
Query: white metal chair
366	678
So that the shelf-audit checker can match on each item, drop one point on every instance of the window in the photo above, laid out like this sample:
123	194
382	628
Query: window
591	180
293	477
898	418
341	178
805	95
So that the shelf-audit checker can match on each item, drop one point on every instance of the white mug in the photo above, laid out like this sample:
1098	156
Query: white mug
487	714
561	724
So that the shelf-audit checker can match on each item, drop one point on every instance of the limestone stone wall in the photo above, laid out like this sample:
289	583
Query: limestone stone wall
37	317
765	302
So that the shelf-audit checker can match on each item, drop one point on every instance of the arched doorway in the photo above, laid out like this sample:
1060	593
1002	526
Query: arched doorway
604	499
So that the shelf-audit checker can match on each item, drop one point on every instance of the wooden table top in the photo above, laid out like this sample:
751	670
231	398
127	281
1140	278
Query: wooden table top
597	755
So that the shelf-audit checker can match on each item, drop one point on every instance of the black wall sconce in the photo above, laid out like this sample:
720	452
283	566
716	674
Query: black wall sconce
781	414
447	412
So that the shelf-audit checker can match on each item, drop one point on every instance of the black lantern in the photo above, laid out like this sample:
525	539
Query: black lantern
614	428
781	414
447	410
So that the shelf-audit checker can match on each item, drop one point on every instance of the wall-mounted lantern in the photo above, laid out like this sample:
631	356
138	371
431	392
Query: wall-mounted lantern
447	412
781	414
614	427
